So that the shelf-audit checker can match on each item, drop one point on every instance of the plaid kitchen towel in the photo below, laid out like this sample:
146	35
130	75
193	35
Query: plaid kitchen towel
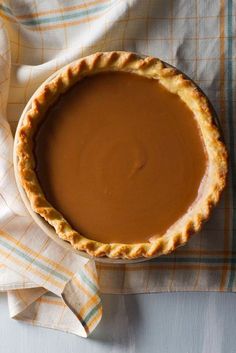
46	284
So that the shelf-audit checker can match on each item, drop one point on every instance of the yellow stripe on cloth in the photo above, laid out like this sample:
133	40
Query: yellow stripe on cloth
89	304
33	253
9	257
62	9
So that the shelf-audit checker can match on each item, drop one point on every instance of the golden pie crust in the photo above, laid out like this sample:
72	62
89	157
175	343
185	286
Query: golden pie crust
174	82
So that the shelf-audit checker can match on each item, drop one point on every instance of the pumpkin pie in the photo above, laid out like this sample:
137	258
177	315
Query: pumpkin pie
121	156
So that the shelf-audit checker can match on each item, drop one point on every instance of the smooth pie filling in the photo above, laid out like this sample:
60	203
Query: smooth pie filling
120	157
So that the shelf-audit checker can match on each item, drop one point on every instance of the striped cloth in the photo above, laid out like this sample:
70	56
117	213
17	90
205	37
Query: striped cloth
50	286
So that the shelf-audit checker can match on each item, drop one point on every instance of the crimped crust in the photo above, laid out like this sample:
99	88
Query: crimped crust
212	184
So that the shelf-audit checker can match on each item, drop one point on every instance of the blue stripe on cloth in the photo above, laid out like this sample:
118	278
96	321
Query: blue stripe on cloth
87	281
61	18
6	9
91	313
32	260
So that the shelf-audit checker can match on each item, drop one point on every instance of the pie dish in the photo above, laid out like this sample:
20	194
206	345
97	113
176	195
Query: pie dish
121	156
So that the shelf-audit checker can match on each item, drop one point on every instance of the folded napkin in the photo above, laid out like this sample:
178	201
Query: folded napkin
53	287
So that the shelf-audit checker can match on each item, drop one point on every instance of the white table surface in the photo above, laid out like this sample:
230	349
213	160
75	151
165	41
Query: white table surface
160	323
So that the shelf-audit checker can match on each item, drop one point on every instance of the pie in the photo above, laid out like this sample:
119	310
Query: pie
121	155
